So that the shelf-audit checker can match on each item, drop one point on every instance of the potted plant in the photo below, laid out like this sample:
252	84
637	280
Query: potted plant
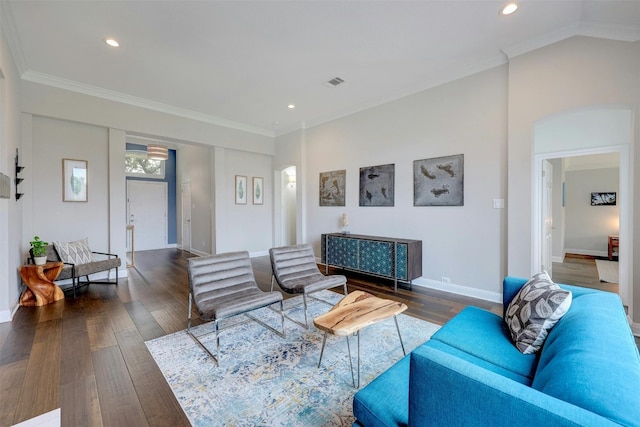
39	250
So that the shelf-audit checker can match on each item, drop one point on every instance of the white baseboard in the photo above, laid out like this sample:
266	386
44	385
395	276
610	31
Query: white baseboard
199	253
635	328
7	315
586	252
459	290
257	254
557	259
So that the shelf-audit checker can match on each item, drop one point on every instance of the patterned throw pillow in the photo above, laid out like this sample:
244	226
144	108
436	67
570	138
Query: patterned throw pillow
74	252
534	310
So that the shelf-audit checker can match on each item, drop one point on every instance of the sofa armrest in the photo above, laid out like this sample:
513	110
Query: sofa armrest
105	253
446	390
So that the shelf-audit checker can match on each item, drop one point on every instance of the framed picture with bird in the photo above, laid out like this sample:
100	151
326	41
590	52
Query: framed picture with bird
439	181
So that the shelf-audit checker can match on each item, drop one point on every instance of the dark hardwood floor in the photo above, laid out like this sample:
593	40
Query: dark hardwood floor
87	355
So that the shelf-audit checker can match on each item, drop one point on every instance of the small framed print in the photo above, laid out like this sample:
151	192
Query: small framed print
241	190
258	190
74	180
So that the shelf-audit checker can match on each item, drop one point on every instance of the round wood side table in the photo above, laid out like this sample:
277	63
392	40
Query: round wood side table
40	287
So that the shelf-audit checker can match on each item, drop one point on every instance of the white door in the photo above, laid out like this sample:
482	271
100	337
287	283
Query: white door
147	212
547	216
186	216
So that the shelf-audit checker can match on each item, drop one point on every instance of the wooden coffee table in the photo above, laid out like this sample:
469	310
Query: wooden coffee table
355	311
40	287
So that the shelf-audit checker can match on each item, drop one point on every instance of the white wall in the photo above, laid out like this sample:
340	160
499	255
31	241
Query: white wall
10	209
575	73
243	227
53	219
588	227
466	117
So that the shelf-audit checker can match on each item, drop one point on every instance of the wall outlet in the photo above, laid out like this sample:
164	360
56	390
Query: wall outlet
446	280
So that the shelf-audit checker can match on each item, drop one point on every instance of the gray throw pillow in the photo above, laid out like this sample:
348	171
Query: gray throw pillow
77	252
534	310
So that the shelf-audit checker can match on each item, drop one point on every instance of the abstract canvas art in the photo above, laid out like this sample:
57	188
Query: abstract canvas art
603	199
332	188
439	181
377	185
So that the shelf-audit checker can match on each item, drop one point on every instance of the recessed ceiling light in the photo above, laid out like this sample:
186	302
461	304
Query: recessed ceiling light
509	8
112	42
291	106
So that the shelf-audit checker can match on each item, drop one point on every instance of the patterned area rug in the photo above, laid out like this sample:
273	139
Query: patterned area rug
607	271
266	380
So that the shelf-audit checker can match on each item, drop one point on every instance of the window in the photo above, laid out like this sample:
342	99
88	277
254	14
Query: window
137	164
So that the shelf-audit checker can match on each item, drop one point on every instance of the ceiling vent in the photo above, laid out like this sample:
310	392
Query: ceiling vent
334	82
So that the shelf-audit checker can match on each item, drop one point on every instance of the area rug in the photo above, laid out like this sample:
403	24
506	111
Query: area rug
266	380
607	271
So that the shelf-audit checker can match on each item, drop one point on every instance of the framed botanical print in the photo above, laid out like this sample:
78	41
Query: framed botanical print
241	190
258	190
74	180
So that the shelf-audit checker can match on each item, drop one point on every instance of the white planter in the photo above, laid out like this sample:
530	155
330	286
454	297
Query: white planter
40	260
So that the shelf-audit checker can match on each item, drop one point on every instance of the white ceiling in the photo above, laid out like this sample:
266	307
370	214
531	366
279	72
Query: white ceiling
240	63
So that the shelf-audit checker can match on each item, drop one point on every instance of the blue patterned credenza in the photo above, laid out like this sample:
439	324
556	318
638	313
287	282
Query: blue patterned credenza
373	255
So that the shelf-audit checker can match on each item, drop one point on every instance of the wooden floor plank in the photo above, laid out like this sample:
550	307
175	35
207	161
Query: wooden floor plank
144	321
76	364
100	333
19	340
79	403
40	392
119	402
154	393
171	320
11	381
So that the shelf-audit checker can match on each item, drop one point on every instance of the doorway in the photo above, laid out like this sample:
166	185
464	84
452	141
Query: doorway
595	130
289	206
147	212
576	232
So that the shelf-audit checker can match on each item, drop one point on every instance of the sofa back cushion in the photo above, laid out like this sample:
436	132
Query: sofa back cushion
590	359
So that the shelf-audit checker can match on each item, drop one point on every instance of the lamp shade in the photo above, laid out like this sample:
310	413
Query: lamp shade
157	152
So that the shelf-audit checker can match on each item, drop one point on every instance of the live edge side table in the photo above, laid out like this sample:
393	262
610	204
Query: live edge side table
40	287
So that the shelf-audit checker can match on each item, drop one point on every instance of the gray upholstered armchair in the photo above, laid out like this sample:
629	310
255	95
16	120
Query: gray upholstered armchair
296	272
222	286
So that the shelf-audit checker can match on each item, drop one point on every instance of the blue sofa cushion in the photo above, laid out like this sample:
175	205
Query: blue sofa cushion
534	310
385	400
591	360
446	348
484	335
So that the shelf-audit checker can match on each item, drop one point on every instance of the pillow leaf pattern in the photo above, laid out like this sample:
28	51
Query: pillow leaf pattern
534	310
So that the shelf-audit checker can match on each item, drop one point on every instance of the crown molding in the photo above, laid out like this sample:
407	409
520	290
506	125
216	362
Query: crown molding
9	29
539	42
111	95
587	29
628	33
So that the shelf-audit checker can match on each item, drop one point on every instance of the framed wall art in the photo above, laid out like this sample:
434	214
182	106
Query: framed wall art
439	181
258	190
241	190
603	199
377	185
74	180
332	188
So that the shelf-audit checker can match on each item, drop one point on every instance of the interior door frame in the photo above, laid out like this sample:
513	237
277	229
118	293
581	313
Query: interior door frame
625	212
183	210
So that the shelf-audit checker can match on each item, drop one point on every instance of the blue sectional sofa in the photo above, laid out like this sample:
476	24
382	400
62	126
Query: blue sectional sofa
470	373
